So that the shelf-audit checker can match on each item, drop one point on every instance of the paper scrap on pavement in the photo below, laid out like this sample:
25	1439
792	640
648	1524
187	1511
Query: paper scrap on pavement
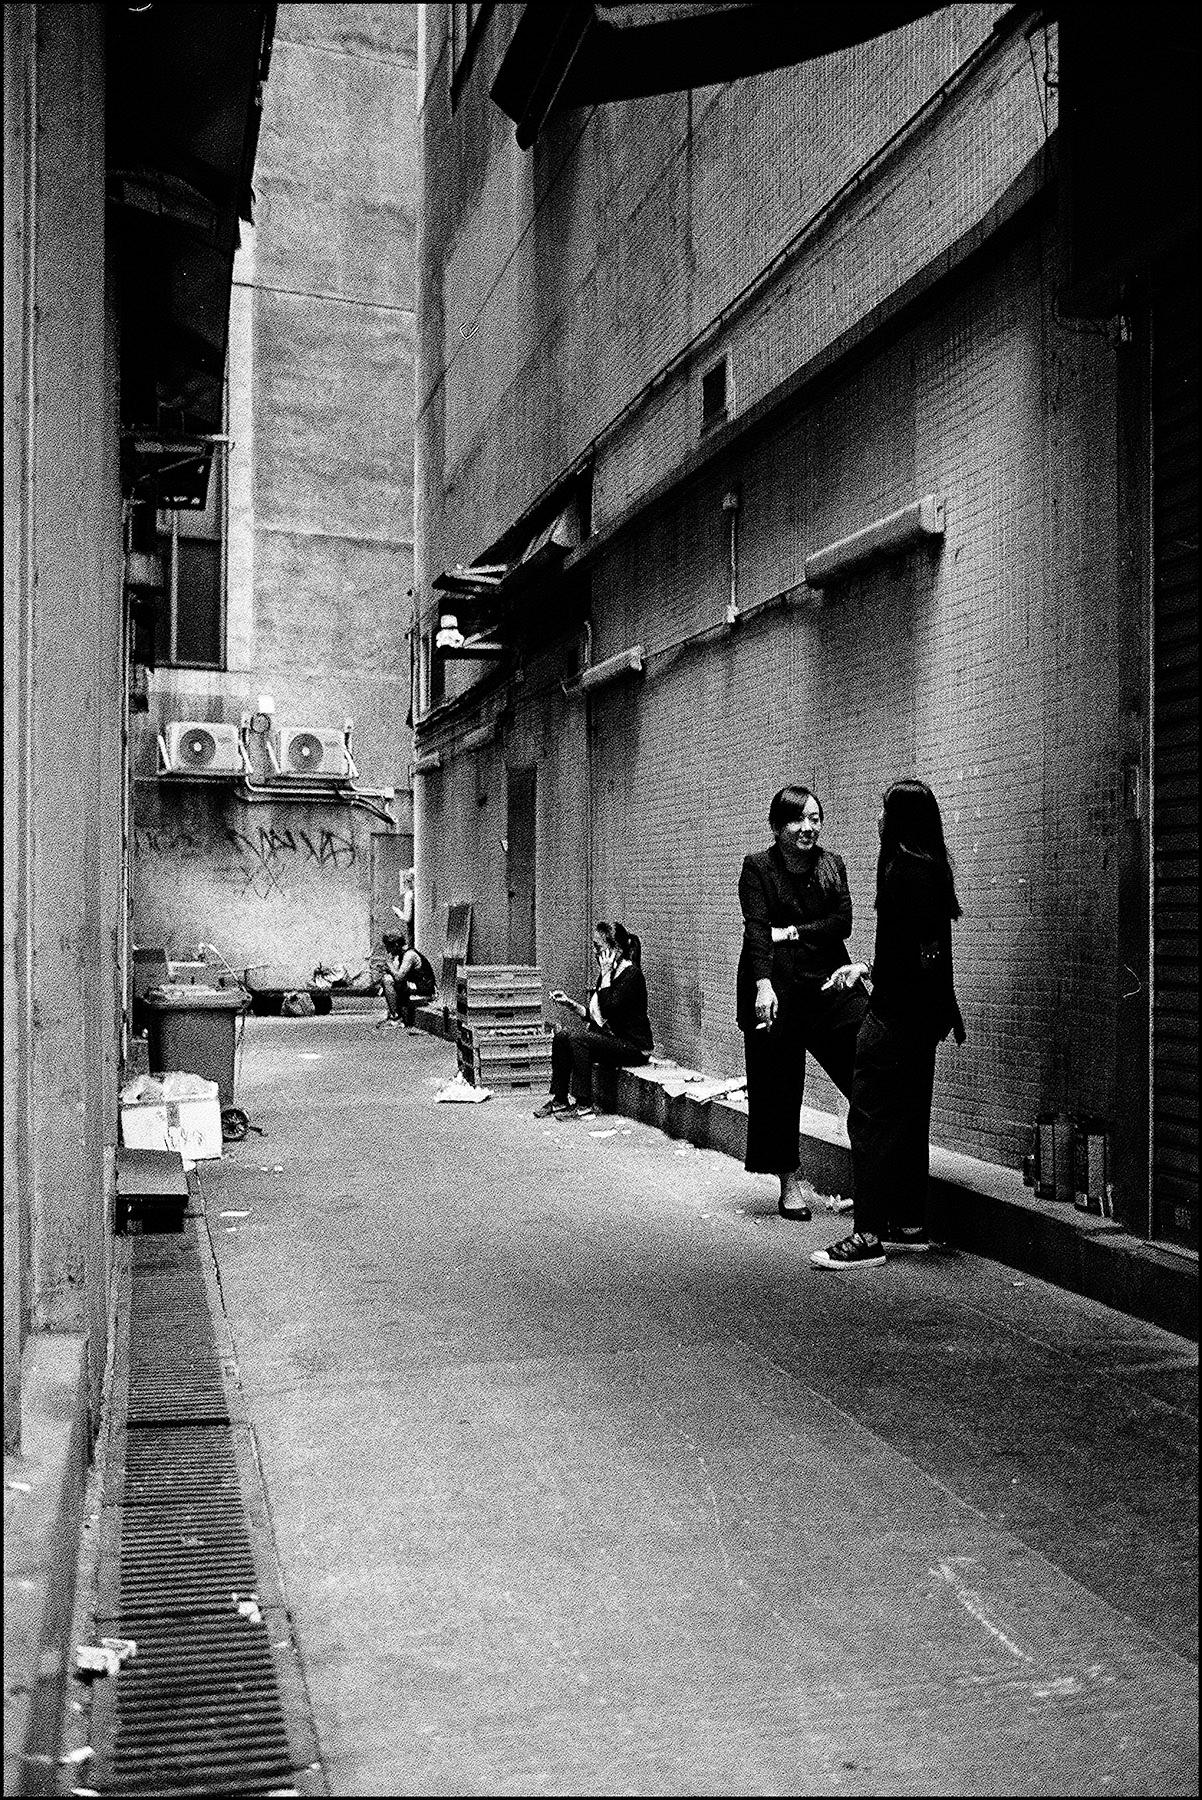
233	1215
604	1134
463	1091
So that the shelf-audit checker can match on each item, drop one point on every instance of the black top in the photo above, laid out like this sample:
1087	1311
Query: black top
912	966
818	903
623	1007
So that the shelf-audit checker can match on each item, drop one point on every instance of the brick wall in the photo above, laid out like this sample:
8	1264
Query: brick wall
587	268
988	667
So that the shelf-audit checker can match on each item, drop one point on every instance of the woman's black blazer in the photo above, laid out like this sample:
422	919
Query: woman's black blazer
818	904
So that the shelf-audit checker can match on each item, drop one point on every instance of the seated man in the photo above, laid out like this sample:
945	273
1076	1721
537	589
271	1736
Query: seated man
404	975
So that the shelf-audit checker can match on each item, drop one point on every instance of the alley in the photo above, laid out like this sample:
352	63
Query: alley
584	1482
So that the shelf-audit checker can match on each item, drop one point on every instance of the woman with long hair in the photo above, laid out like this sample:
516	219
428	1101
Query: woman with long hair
796	909
912	1009
615	1030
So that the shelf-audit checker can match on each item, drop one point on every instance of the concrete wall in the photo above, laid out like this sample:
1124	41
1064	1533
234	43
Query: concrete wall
64	690
320	507
870	241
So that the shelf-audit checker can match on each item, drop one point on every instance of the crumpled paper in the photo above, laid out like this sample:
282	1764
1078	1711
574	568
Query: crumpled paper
459	1089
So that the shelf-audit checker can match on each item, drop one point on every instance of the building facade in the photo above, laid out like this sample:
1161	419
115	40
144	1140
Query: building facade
285	599
686	358
129	140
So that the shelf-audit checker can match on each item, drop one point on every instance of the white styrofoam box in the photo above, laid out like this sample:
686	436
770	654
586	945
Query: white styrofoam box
193	1127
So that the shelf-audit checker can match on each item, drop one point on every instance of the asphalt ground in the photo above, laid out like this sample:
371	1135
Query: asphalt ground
585	1482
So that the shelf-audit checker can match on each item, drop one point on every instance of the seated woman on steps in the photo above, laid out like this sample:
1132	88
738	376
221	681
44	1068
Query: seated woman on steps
614	1028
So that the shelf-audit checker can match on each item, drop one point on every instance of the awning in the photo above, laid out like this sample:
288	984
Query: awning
589	51
481	595
184	89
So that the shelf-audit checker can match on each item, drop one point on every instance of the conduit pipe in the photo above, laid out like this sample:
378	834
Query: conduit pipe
372	800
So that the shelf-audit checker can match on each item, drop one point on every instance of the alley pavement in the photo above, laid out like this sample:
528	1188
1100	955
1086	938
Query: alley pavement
585	1482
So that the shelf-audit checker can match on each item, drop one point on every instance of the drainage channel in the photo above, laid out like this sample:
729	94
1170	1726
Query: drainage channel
213	1700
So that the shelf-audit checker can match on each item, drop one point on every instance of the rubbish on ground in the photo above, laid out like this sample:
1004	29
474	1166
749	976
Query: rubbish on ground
721	1089
277	1168
104	1658
462	1090
835	1203
173	1111
604	1134
310	1055
247	1607
683	1151
297	1005
74	1757
233	1215
20	1487
176	1084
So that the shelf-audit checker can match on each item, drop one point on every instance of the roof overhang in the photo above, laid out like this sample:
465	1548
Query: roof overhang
184	92
482	596
591	51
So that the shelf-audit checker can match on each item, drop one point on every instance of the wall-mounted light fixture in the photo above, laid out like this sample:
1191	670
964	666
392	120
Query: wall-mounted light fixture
426	765
922	519
626	662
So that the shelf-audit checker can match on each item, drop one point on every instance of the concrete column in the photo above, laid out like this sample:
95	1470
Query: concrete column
75	695
20	138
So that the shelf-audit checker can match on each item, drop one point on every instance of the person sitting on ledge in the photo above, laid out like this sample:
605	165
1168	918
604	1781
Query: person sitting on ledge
404	975
615	1030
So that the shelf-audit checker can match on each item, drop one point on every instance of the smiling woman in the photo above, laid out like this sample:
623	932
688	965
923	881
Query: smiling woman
796	917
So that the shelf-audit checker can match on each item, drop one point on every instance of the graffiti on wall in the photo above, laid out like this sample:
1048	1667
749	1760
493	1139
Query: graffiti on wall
261	858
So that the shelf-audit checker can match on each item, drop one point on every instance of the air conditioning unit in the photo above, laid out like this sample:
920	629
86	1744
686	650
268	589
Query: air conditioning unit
312	753
200	747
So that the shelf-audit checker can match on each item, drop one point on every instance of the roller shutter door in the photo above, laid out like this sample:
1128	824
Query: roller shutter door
1174	810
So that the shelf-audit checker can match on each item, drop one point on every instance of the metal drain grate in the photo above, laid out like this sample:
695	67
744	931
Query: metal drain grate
174	1370
197	1711
186	1571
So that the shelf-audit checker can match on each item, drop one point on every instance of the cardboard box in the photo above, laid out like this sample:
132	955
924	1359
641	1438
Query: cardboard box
193	1126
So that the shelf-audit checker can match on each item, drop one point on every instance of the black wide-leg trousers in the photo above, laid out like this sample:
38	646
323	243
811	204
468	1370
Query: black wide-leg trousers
889	1125
574	1050
824	1024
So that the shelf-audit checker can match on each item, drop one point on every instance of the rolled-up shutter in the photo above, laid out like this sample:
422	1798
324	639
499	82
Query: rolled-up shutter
1174	810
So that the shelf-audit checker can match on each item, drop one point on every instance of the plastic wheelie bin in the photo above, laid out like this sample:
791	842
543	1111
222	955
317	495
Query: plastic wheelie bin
193	1029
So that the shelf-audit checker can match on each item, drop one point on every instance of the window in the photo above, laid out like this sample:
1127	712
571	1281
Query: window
713	395
467	22
190	619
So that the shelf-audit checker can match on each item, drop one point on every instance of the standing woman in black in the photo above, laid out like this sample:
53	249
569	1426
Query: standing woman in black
913	1008
796	917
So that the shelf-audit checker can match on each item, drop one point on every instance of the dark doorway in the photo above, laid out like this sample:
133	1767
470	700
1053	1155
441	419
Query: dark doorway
519	867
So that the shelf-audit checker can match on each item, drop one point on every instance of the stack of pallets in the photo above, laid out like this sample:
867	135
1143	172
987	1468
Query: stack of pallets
503	1041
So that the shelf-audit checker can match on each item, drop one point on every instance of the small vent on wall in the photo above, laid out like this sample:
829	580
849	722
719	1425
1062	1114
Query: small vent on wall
713	395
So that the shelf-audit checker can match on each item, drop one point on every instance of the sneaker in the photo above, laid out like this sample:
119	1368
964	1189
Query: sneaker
555	1108
910	1238
854	1252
